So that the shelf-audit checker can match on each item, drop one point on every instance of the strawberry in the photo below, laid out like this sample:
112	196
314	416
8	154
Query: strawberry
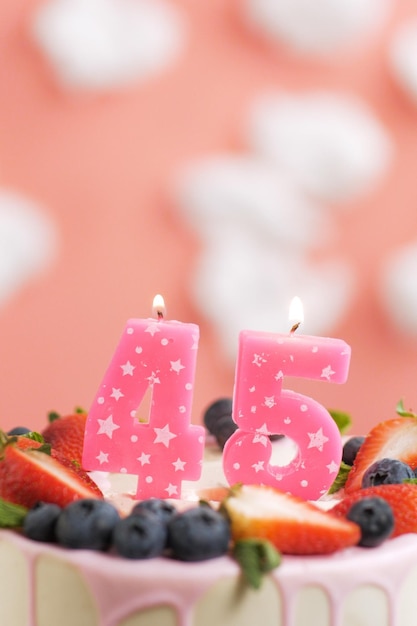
291	524
394	439
66	434
25	443
401	497
28	475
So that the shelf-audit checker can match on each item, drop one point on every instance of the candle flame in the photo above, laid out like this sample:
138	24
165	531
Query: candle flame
296	313
158	306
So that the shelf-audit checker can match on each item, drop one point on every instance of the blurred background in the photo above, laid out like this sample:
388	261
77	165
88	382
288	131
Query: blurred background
227	154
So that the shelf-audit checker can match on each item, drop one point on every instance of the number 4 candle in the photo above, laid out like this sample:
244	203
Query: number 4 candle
161	355
261	408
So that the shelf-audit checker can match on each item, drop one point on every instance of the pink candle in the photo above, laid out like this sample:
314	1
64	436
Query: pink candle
261	408
159	355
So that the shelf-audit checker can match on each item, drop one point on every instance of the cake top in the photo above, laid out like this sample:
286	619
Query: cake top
46	495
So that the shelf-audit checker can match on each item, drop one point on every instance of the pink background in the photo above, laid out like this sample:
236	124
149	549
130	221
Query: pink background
102	166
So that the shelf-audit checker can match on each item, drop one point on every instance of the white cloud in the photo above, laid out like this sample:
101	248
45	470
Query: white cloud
28	243
102	44
398	288
403	54
318	27
257	231
331	144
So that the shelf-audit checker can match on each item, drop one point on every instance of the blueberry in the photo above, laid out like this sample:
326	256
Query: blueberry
163	509
18	430
40	522
224	429
386	472
217	410
375	518
351	448
198	534
142	535
87	523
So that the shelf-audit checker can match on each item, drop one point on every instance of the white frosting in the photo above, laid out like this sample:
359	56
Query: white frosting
399	288
100	44
320	27
331	144
403	54
28	242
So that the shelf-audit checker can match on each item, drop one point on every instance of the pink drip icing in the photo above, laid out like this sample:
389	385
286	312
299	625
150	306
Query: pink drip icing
180	585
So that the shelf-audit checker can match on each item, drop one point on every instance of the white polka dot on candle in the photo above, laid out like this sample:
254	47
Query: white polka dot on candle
303	408
304	483
164	341
132	413
236	466
138	349
123	470
188	386
134	438
149	480
100	400
130	331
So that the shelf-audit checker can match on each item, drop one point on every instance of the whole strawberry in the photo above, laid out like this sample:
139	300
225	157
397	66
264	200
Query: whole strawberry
66	434
291	524
401	497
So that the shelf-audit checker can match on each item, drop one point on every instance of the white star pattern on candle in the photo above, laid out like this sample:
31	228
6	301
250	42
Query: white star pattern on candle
107	427
154	379
259	466
269	402
171	490
116	394
279	375
144	459
103	457
152	329
176	366
258	359
260	436
327	372
317	440
179	465
163	435
332	467
127	368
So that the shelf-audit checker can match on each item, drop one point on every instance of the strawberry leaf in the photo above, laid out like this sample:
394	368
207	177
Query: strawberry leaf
34	436
342	419
11	515
52	416
402	412
341	478
256	557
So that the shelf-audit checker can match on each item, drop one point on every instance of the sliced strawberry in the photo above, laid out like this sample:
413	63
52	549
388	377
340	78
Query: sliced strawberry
29	475
402	498
393	439
66	435
25	443
291	524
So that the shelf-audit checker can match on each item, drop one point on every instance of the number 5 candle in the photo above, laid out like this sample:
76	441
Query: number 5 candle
261	408
161	355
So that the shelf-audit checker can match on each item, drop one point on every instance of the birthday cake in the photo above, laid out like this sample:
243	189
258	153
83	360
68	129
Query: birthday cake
303	564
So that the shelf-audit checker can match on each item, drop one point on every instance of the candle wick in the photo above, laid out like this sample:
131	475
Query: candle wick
160	315
294	328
